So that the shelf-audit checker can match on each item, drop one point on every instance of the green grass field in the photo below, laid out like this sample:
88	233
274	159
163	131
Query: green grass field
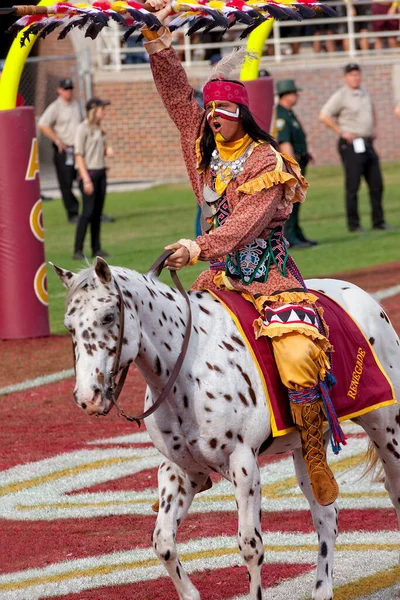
148	220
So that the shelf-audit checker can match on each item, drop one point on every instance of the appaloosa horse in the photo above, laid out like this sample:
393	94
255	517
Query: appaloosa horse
204	425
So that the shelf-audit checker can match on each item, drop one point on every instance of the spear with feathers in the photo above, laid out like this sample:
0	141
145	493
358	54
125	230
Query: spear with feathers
198	15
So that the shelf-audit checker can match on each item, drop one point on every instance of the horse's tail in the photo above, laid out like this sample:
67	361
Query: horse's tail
373	466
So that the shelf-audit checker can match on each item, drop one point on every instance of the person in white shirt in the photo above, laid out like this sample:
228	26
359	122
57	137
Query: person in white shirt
349	112
90	154
59	123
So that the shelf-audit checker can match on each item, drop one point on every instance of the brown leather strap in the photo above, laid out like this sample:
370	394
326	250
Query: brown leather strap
156	268
22	11
116	386
118	349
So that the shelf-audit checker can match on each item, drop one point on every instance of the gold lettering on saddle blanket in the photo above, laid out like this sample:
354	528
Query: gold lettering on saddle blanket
356	376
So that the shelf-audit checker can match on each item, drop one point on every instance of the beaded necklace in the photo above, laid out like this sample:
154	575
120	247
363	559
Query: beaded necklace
228	169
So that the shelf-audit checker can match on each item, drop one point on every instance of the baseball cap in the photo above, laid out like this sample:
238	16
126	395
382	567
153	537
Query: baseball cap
96	102
351	67
66	84
287	86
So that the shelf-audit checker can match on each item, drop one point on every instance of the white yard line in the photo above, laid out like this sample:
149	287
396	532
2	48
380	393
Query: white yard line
388	293
46	379
38	381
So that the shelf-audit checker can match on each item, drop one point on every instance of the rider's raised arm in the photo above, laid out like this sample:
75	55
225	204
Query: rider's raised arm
172	84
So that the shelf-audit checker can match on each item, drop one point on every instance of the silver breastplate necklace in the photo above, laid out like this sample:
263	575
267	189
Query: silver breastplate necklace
229	169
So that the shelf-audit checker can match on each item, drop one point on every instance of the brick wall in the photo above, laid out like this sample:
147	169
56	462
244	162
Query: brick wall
146	143
319	84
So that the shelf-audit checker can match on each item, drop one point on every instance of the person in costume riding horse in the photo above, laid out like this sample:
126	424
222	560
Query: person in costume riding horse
246	190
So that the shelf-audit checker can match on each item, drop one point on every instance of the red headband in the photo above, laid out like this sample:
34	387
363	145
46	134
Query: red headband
225	90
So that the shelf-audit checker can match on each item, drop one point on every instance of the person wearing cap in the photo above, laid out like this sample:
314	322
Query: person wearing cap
246	189
59	123
293	141
350	113
90	155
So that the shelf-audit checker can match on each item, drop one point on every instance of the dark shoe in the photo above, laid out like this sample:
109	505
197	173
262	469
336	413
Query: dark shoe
358	229
107	219
312	242
102	254
385	226
299	244
79	256
45	198
73	220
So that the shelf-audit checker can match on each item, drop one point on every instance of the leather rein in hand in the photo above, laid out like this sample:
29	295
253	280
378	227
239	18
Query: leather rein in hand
115	386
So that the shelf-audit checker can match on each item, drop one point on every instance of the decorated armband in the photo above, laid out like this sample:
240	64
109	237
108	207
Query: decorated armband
157	40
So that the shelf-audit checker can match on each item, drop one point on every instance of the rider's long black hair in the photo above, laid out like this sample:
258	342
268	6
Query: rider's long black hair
207	142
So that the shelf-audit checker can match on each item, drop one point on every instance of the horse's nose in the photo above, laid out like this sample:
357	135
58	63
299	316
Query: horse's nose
96	395
90	403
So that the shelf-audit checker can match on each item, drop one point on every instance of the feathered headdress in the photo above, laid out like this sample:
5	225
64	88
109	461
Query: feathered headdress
232	62
219	85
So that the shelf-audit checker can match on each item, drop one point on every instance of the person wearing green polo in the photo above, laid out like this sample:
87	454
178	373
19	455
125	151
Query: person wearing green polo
293	141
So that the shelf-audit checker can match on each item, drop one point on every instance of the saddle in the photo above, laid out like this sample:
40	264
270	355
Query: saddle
362	384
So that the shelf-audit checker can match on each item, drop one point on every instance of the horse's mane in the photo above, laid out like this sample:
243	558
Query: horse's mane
82	280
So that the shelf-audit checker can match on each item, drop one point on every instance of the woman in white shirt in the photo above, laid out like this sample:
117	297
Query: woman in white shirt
90	158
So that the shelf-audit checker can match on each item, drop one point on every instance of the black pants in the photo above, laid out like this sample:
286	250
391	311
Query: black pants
66	175
292	230
356	165
92	207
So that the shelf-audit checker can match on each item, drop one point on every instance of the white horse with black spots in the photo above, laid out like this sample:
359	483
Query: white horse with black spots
215	417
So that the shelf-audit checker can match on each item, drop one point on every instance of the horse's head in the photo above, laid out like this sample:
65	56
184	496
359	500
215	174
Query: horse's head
93	318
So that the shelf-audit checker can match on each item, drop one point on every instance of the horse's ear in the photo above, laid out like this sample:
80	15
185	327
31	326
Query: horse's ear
66	277
102	270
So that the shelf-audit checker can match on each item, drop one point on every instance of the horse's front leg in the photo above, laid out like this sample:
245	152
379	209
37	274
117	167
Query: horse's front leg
325	519
245	476
176	492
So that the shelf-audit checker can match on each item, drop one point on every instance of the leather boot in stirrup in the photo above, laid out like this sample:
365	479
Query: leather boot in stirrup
309	420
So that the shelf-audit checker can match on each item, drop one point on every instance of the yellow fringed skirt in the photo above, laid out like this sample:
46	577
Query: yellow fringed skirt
290	319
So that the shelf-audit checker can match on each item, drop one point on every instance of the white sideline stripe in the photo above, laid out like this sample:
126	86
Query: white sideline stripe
38	381
388	293
31	383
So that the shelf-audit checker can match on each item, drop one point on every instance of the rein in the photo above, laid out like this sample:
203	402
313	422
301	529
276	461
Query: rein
115	387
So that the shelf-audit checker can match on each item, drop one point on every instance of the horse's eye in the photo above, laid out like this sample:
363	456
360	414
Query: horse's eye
107	319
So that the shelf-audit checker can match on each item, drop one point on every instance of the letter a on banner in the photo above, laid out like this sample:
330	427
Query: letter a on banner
33	165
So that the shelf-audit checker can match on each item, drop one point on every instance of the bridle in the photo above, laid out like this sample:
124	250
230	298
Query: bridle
115	387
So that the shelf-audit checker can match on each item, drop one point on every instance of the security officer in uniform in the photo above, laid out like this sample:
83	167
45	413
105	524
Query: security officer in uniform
350	113
59	123
292	140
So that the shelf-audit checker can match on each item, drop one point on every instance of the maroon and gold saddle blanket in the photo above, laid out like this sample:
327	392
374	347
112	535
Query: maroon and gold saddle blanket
362	384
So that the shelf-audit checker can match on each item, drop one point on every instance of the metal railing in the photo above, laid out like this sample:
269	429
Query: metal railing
280	47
